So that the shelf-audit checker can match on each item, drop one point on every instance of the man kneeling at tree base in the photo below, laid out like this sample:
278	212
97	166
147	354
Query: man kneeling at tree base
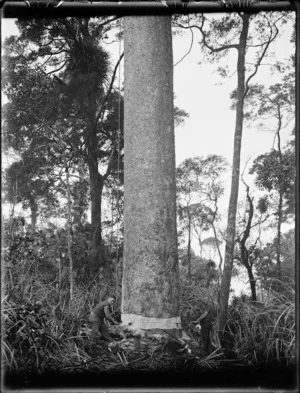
98	313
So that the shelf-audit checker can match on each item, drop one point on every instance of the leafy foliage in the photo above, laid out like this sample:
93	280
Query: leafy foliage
199	188
56	78
45	332
29	181
275	173
28	340
266	264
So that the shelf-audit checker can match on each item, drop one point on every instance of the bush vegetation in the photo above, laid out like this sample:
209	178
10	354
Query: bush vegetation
264	332
44	331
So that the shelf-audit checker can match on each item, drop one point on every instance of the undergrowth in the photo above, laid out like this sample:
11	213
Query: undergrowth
264	332
43	330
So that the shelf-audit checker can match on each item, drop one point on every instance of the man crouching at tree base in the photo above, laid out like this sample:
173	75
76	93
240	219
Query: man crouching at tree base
98	313
207	319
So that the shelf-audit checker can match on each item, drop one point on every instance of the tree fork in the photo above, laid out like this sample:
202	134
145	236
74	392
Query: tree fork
150	297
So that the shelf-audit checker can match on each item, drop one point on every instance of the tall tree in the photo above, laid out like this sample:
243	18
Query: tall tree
276	171
219	36
67	91
199	188
29	181
266	264
150	293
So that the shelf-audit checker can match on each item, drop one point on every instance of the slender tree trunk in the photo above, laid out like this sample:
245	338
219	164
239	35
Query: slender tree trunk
280	203
217	245
252	284
11	219
200	246
79	200
189	245
262	292
96	189
59	279
69	234
231	222
245	258
278	246
34	215
150	296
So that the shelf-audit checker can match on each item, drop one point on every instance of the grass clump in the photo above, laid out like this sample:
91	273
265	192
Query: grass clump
264	332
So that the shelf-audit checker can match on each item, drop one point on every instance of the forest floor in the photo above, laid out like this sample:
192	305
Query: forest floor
138	360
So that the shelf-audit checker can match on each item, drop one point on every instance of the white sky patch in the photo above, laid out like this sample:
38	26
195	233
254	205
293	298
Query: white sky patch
210	127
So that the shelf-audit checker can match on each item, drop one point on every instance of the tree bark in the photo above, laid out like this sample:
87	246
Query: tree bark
79	207
189	244
231	222
252	284
69	233
278	245
280	202
245	258
150	297
34	214
96	189
217	240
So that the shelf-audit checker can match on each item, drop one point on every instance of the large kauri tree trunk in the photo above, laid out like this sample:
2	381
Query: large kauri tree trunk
150	297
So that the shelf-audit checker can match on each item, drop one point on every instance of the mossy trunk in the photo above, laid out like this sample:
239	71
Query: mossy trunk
150	298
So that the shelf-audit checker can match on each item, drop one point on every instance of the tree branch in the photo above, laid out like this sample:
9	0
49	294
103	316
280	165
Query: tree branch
267	44
200	28
68	27
58	69
109	21
189	51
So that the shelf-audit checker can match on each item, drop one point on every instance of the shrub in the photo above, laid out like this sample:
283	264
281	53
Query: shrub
27	340
192	299
264	333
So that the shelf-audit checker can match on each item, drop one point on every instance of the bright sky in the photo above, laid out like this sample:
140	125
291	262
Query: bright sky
210	126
